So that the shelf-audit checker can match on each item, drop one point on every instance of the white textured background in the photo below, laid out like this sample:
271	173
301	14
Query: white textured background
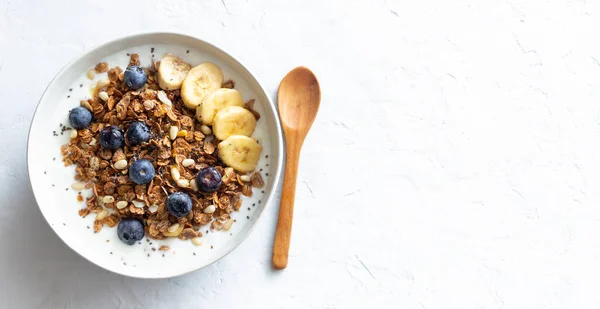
454	162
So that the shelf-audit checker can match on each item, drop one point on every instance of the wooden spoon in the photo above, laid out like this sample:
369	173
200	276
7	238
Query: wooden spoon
299	98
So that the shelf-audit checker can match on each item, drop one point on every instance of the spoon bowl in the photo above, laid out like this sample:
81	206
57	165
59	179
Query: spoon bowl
299	98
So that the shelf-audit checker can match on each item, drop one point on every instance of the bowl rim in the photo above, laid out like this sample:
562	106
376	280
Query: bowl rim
276	176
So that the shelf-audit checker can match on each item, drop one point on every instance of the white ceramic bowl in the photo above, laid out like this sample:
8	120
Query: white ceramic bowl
51	181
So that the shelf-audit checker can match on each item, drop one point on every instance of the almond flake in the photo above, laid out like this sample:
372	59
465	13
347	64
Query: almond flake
138	204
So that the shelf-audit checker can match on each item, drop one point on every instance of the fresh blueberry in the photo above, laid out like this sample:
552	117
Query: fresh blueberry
179	204
80	117
111	137
141	171
130	230
208	179
137	133
134	77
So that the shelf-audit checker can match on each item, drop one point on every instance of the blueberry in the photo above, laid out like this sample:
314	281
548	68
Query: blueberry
141	171
208	179
130	230
134	77
111	137
80	117
179	204
137	133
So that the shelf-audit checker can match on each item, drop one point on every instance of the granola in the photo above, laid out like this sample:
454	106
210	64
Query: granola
180	145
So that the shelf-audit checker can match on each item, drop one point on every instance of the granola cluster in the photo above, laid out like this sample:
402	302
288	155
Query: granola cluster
115	196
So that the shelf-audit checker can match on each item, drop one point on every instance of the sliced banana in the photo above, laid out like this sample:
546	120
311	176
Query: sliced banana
216	101
200	81
171	72
240	152
233	120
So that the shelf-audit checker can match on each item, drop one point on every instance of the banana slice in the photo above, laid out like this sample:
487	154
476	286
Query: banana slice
200	81
240	152
216	101
233	120
171	72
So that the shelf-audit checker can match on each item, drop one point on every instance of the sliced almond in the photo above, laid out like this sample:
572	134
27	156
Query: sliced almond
101	215
175	173
173	228
197	241
173	130
153	208
121	164
187	162
103	96
228	224
175	233
162	96
245	178
205	130
121	204
78	186
209	209
183	183
194	185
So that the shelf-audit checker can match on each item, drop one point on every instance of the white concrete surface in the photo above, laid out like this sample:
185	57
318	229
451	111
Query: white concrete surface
454	162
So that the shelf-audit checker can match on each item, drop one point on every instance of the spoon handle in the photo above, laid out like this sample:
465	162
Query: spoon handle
286	209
